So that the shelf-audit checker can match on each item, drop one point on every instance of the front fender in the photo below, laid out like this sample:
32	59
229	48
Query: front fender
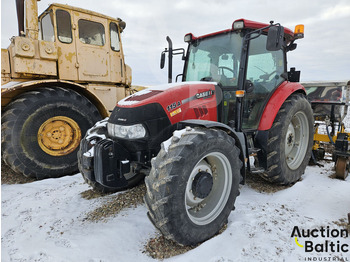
238	136
277	99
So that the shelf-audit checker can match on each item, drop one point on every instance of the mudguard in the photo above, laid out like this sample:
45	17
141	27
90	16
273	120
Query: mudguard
277	99
239	137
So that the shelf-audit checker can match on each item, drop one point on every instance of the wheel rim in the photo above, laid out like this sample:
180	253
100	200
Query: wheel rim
203	211
297	140
341	168
59	136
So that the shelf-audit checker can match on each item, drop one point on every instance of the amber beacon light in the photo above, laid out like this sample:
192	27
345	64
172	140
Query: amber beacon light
299	31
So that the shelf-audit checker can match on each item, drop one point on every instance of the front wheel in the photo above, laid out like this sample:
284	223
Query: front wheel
193	185
290	141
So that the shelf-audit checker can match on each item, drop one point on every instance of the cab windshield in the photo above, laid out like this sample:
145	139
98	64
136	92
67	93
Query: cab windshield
215	59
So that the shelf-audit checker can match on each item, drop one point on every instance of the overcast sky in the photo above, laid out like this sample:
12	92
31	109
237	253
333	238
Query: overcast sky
324	53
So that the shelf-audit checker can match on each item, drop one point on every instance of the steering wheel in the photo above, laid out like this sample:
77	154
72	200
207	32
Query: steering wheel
227	68
266	76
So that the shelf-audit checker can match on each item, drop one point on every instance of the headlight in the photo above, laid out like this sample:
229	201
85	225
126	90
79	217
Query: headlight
131	132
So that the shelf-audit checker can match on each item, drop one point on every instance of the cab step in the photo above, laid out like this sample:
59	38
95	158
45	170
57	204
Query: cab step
253	150
257	170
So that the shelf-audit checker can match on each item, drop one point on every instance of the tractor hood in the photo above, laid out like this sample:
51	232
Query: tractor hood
180	101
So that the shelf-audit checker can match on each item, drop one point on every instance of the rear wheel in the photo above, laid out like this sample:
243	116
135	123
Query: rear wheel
290	141
42	129
193	185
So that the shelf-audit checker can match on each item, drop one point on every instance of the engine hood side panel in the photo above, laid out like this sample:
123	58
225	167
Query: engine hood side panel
180	101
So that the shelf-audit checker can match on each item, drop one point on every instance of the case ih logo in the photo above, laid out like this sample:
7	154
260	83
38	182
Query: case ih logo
205	94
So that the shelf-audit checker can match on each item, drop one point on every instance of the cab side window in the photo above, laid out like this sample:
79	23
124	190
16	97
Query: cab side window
264	67
64	26
91	33
47	32
114	34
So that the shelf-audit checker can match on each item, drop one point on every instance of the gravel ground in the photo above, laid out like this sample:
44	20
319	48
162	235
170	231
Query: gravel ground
260	185
91	194
160	248
117	202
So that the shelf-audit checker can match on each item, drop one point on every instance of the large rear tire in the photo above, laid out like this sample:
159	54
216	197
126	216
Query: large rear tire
290	141
193	185
42	129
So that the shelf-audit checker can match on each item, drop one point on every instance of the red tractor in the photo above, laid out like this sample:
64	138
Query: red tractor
237	110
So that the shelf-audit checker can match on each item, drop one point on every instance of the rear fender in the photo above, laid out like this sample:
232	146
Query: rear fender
277	99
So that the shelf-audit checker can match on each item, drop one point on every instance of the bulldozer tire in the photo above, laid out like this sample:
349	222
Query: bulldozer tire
290	141
42	129
193	185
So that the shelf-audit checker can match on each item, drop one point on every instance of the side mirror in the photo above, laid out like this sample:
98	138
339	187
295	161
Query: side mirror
162	60
275	38
122	25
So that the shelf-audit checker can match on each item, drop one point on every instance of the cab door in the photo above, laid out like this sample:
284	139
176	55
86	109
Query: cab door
92	46
265	73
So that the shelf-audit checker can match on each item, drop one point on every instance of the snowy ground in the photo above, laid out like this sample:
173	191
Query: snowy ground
44	221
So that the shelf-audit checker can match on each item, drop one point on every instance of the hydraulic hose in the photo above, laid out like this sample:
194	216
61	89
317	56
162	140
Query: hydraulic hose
329	136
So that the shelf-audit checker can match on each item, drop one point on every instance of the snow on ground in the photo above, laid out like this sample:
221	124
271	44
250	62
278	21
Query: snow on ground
44	221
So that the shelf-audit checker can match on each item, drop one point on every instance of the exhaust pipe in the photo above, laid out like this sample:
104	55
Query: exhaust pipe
170	60
29	10
20	16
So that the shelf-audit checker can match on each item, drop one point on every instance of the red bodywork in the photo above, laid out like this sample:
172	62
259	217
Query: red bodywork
180	101
276	101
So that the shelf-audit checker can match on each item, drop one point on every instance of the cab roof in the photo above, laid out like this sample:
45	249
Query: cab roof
81	10
248	24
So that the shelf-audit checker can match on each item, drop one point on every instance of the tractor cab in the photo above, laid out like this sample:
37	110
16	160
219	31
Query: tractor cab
242	58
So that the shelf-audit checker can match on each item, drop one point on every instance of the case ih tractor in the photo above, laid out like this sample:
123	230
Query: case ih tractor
237	110
63	73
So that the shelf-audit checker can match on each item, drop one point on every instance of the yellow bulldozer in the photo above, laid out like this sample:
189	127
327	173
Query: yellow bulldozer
63	72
